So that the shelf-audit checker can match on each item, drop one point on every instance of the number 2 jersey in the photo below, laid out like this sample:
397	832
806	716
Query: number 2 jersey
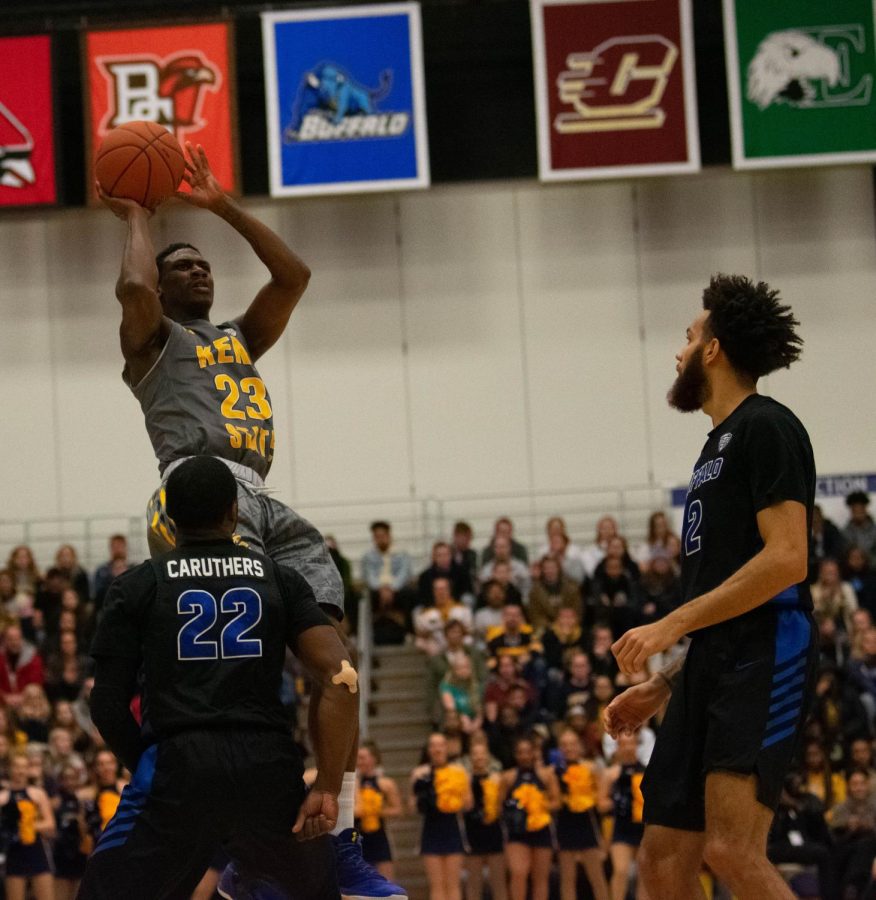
209	624
205	396
760	455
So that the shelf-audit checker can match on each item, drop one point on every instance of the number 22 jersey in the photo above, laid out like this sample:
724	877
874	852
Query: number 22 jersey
760	455
208	624
205	396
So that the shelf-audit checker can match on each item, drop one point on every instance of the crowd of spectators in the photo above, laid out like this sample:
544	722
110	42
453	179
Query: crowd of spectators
518	647
519	670
60	785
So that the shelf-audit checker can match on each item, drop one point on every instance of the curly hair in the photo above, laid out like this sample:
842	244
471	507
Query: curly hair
754	328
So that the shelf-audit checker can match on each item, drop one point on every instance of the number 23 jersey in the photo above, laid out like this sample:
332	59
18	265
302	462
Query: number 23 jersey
205	396
208	624
760	455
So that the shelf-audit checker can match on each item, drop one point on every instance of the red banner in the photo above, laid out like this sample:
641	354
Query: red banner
180	77
615	88
27	145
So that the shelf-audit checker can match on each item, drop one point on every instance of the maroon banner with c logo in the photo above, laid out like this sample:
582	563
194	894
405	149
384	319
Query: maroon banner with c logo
27	145
615	89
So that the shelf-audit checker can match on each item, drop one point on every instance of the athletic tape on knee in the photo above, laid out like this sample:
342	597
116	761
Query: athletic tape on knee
348	676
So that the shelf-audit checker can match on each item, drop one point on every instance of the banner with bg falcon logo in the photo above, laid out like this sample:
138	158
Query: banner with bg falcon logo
345	101
801	77
179	76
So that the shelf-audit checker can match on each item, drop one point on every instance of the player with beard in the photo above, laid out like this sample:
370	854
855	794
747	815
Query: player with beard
738	701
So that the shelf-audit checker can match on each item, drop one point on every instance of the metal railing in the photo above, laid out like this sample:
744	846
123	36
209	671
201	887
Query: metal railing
89	535
365	650
417	522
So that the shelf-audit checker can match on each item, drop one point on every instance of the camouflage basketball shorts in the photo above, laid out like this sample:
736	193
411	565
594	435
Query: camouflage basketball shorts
269	527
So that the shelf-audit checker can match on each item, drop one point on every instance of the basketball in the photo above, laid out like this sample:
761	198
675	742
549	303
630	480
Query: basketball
140	161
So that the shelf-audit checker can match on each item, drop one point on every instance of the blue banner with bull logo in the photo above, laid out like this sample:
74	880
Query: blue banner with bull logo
345	100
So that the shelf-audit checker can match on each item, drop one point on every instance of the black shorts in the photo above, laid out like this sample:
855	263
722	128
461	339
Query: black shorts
27	860
441	834
577	830
375	846
484	840
625	832
196	791
543	839
743	695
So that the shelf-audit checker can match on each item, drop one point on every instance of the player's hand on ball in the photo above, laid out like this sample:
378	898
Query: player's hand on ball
205	189
120	206
318	815
630	710
633	649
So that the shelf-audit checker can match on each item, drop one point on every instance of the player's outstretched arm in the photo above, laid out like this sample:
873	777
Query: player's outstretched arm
337	718
268	314
137	287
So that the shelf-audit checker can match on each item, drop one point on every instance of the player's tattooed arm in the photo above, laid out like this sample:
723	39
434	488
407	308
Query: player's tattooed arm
631	709
268	314
671	674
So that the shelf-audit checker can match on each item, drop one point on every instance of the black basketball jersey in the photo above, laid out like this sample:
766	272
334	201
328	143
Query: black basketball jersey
758	456
209	624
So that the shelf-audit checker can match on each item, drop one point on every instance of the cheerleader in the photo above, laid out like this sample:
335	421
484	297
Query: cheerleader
377	799
483	829
528	794
440	791
104	797
27	819
623	795
71	846
578	831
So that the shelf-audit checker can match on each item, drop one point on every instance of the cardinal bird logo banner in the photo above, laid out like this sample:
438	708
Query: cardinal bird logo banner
27	147
179	77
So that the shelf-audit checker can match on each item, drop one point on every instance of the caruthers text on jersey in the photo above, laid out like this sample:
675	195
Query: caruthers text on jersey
214	567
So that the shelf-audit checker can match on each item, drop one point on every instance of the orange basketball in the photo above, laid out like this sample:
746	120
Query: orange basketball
141	161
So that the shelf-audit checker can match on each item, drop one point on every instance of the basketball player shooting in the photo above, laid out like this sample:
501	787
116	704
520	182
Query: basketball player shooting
202	395
740	697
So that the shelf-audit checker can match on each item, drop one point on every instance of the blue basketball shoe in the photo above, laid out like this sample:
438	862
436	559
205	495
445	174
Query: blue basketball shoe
358	879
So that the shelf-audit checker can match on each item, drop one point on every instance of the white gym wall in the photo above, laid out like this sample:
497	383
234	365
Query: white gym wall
474	338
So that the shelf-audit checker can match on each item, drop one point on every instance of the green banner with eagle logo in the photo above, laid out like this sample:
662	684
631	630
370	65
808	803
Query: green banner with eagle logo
801	78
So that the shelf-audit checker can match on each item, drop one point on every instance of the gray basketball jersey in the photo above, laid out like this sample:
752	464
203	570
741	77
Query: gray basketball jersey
205	396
